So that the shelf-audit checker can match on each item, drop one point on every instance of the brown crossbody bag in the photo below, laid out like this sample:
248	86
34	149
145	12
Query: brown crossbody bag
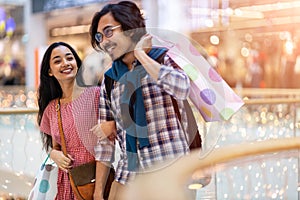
82	177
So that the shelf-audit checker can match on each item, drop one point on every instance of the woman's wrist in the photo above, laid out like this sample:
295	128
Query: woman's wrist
51	153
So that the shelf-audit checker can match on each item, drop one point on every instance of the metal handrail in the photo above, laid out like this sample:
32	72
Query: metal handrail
10	111
271	101
267	92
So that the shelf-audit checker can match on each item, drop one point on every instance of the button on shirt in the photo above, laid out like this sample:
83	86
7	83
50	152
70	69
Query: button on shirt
165	133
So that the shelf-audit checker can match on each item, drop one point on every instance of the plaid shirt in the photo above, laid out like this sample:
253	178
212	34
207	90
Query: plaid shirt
166	137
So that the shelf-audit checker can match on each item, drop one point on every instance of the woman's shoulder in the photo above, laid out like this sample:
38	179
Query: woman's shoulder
50	107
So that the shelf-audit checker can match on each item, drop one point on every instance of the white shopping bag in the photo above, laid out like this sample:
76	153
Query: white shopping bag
45	182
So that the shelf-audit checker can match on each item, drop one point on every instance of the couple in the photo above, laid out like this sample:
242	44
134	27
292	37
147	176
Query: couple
134	99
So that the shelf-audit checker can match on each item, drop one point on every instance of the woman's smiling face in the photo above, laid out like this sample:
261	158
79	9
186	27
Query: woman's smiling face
63	64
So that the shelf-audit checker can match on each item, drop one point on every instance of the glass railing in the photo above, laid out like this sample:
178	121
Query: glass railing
258	120
20	150
20	143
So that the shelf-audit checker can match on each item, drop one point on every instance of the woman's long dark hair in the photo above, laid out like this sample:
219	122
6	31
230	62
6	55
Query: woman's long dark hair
49	87
127	14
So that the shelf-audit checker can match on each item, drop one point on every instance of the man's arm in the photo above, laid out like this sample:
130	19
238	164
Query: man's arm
102	172
140	52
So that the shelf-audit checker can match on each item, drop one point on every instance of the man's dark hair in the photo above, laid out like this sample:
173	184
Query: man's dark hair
127	14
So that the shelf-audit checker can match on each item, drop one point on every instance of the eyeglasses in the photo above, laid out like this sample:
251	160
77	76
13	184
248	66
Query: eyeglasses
108	32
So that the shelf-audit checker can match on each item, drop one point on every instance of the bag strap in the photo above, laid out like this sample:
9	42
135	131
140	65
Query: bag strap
45	161
64	147
60	127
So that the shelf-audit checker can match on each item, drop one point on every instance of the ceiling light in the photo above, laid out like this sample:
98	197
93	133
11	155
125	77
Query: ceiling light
214	39
69	30
195	186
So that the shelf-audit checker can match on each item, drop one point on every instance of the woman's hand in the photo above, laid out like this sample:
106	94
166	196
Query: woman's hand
62	161
105	130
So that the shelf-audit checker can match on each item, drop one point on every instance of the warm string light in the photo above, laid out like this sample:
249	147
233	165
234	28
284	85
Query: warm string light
18	98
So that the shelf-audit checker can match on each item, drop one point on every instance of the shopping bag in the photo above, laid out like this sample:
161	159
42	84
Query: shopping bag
209	93
45	183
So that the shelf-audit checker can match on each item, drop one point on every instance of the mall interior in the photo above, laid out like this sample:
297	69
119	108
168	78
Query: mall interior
254	45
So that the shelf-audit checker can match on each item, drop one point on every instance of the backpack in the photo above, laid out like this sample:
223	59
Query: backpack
192	131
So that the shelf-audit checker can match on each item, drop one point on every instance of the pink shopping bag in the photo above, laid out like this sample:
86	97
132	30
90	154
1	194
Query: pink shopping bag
210	94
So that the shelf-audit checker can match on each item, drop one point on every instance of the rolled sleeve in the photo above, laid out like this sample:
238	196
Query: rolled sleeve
105	151
173	80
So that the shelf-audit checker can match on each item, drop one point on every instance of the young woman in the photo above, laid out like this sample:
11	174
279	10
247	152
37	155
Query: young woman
79	112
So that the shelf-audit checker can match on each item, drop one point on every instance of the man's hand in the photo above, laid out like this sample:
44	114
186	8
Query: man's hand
105	130
145	44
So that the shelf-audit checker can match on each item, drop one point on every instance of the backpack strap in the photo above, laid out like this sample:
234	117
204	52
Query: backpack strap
192	129
109	83
193	132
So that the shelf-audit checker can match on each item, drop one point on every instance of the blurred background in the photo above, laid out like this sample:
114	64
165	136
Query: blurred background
253	44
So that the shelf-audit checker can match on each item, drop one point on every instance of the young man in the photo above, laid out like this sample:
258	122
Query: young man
145	82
